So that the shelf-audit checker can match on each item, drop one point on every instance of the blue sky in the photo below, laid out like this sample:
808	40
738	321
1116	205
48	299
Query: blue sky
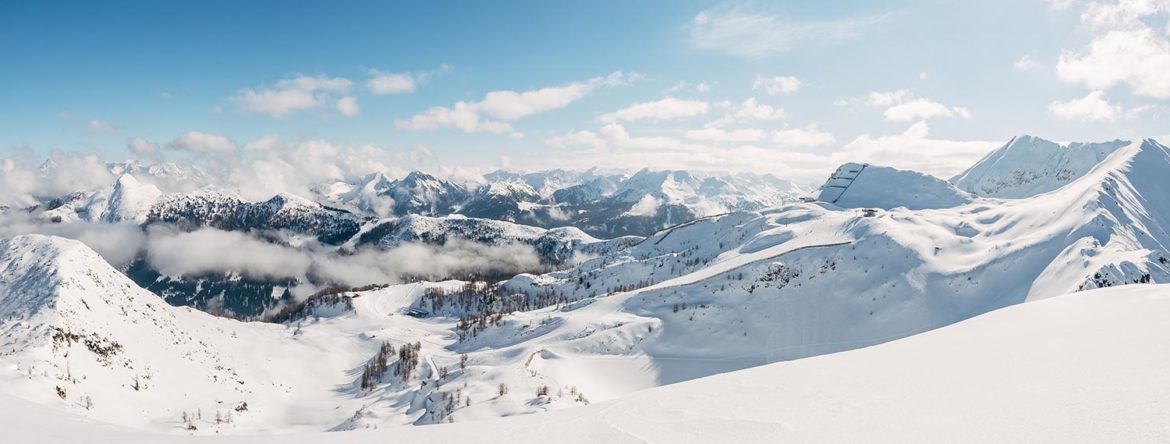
791	88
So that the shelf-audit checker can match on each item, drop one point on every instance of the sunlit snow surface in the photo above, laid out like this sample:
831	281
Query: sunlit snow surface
718	294
1088	367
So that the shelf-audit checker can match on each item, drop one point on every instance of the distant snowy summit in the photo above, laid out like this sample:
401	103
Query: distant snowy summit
1028	165
603	204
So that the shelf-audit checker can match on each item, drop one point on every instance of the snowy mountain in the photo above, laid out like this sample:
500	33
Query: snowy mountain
862	185
1028	165
227	211
602	204
78	334
885	255
126	200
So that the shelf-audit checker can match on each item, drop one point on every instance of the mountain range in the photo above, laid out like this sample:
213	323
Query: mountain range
880	254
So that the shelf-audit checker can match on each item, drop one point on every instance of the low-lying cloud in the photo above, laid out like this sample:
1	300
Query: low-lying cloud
210	250
177	253
117	243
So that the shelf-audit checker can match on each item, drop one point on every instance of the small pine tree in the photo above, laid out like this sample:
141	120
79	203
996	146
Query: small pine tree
502	389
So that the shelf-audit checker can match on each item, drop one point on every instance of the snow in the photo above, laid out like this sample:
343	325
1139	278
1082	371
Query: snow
797	289
130	200
1088	367
869	186
1028	165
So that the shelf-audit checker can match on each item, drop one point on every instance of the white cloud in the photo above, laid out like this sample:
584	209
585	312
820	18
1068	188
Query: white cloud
203	143
720	135
911	149
420	154
269	142
507	106
512	105
669	108
1025	63
348	106
142	147
914	149
751	33
117	243
748	111
401	82
201	251
296	166
701	87
22	185
922	109
462	116
291	95
805	137
903	106
1091	108
1139	58
777	85
646	206
391	83
99	126
1127	48
614	135
583	138
614	131
1123	13
887	98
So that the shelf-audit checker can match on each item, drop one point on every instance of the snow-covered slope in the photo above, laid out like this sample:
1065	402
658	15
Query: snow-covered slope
1028	165
724	293
1088	367
79	334
126	200
130	200
856	185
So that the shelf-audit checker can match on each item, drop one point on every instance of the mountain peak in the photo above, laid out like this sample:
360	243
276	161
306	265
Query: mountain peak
1027	165
855	185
